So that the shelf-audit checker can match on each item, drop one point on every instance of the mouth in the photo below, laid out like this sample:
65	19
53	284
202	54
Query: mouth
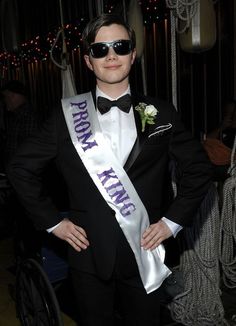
112	67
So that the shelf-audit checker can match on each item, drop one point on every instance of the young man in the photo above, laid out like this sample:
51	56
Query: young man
20	117
19	123
114	163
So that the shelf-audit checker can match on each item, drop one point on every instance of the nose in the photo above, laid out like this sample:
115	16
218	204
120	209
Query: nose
111	53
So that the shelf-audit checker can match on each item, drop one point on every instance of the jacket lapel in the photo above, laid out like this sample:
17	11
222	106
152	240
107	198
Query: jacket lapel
141	138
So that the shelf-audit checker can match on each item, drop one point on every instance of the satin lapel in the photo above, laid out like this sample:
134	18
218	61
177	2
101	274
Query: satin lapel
141	137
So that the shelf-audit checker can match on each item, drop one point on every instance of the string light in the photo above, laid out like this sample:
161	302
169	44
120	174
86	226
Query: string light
38	48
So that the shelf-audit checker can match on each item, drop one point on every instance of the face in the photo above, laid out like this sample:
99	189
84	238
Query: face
113	69
9	101
12	100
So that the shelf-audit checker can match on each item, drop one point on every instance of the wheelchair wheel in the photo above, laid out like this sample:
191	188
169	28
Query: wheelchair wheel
36	302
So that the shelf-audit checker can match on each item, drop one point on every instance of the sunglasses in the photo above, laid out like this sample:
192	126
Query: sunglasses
101	49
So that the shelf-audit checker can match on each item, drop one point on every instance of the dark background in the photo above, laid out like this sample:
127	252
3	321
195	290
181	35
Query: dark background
205	81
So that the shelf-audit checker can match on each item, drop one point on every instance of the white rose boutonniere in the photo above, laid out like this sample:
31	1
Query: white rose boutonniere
147	113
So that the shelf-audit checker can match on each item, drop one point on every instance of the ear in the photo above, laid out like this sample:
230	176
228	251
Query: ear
87	61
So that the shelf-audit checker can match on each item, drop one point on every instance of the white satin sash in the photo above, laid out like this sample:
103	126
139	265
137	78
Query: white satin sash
114	185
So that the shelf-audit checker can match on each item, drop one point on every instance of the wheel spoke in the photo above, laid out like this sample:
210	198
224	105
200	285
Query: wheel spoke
36	301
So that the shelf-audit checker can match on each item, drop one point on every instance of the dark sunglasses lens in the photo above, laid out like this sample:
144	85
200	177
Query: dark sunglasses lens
99	50
122	47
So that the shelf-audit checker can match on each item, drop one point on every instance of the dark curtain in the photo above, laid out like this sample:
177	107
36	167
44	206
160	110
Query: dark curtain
205	80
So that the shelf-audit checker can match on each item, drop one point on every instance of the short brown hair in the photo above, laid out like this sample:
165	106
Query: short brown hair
92	28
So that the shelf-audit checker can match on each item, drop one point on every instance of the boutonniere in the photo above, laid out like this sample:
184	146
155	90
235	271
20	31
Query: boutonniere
147	113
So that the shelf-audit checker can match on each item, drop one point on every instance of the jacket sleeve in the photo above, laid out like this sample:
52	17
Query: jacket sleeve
192	171
25	172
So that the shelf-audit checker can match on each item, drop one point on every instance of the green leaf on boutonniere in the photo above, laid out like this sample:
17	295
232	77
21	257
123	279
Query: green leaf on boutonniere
147	114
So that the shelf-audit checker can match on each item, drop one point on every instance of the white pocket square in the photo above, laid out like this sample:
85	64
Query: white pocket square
160	130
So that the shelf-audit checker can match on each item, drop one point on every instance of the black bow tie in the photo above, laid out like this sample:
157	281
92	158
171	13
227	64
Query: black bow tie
123	103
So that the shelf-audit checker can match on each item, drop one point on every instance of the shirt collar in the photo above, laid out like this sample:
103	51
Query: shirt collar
100	93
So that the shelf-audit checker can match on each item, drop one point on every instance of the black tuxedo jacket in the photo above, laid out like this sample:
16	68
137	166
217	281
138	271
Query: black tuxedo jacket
147	168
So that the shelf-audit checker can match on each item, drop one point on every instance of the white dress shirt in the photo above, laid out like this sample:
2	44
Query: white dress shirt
116	125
